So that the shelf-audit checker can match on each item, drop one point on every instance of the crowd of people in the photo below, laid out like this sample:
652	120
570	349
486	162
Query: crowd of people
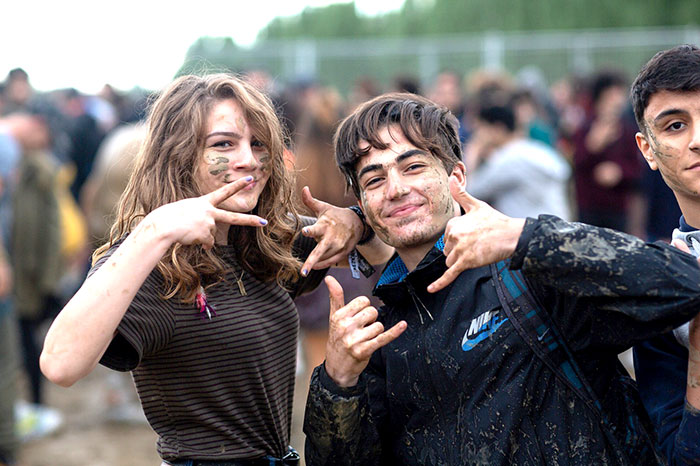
187	231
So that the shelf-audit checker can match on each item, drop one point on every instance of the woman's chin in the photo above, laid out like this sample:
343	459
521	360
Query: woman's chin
237	205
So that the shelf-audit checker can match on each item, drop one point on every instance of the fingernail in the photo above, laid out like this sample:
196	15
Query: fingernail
304	272
249	178
263	221
305	231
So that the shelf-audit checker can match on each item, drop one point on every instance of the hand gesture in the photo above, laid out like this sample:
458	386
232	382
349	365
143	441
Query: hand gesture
353	335
336	231
193	221
481	236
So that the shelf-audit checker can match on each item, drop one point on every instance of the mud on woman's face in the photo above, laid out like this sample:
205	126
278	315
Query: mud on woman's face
231	151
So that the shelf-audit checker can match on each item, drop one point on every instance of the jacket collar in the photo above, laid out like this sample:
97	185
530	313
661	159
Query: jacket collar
396	271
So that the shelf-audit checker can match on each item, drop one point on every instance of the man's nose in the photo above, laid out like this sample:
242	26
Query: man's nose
396	187
695	140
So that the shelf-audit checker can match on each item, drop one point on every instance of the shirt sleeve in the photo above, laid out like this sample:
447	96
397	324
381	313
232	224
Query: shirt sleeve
605	288
146	327
342	424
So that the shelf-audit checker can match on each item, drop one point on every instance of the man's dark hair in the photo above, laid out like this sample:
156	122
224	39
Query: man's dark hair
675	70
425	124
498	114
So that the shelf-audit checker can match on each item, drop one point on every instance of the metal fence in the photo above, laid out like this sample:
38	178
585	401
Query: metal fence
555	53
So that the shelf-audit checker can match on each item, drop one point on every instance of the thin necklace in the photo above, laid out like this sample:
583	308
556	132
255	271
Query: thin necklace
239	281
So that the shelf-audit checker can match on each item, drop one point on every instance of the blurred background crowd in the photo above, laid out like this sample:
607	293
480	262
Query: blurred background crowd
540	136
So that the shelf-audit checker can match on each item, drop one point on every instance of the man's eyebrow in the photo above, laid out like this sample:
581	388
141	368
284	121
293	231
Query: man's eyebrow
403	156
670	111
231	134
410	153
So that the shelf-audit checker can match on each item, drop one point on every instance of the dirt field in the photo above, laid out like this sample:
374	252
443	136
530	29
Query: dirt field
87	439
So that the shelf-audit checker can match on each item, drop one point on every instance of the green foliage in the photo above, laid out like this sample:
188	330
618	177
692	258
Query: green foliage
281	52
463	16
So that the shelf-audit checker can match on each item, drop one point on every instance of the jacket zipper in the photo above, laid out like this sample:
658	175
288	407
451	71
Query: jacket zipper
423	354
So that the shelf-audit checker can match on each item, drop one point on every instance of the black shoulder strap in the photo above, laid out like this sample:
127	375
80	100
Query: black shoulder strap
538	330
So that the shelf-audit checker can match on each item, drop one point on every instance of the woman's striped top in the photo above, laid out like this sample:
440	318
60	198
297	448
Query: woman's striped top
218	388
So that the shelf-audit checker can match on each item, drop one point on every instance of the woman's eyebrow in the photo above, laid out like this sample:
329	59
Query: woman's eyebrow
231	134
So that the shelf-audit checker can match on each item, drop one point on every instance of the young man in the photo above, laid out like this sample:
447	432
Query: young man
453	381
666	100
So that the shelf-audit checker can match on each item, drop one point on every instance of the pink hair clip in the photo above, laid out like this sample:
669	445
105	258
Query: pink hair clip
204	307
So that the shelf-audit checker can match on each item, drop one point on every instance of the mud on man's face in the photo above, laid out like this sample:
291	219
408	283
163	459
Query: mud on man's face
404	192
672	141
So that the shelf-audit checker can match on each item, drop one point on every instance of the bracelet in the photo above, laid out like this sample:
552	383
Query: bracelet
367	232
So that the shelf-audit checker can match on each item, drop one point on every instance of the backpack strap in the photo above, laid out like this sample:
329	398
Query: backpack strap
538	330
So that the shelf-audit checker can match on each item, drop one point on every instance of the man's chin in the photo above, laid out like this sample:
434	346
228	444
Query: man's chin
411	239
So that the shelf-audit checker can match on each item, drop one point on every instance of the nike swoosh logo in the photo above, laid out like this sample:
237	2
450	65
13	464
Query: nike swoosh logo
485	332
540	337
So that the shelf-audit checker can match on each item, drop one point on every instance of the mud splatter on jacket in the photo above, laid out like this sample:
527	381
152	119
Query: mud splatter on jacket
461	387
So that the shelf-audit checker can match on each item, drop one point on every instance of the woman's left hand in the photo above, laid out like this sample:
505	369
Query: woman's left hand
337	231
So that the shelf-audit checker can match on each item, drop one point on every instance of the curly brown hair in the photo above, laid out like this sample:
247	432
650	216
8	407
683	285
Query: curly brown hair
164	172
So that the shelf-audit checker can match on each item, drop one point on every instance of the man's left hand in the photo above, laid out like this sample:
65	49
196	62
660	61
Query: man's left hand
481	236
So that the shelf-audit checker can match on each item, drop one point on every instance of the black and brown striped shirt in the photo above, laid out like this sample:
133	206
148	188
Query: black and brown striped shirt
218	388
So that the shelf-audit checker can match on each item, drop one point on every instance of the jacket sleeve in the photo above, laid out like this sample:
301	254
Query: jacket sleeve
661	371
605	288
341	425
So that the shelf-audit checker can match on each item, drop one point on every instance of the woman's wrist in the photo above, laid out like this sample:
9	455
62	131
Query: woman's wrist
367	231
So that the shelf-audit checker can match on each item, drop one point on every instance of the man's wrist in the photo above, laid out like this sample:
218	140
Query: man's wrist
332	384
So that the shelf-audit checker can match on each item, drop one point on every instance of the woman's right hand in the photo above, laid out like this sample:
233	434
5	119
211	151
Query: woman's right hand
193	221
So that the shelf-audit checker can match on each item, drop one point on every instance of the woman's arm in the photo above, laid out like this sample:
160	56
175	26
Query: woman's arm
83	330
337	231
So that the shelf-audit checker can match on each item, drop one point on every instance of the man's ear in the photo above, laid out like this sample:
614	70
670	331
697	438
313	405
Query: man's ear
646	150
460	171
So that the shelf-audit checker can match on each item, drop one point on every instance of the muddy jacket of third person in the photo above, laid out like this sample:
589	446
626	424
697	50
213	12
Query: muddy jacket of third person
460	386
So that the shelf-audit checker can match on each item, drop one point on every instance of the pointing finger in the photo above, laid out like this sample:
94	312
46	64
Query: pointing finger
217	196
445	279
236	218
316	254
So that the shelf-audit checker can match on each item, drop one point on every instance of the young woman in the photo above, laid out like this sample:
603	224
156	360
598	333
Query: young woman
194	291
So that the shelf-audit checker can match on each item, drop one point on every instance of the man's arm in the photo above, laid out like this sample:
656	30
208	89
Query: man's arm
628	289
341	419
340	424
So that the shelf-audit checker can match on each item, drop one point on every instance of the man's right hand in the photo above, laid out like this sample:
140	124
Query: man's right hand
353	335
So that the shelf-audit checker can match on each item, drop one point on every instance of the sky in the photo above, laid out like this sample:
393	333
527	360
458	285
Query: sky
128	43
